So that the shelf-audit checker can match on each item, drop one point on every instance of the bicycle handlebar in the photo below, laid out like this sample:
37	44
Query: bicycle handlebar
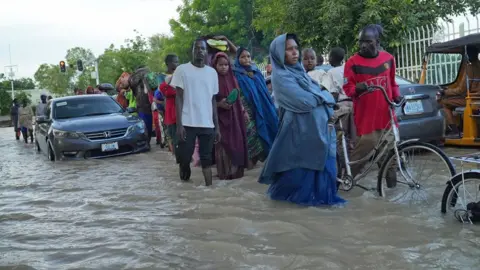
372	88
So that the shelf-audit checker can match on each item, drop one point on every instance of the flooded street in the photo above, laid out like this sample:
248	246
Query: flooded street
133	212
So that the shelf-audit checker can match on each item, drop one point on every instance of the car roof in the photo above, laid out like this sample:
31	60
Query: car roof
94	96
456	45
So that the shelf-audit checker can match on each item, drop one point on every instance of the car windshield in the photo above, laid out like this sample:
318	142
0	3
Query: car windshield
81	107
402	81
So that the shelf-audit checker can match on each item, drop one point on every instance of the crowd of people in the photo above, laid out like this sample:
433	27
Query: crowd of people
21	114
219	109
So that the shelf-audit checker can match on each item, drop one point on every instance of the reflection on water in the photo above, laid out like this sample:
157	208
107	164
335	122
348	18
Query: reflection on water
134	213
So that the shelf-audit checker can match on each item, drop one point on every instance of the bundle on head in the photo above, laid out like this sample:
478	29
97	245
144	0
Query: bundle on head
136	80
122	82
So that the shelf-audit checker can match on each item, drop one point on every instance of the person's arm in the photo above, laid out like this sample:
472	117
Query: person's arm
179	106
393	81
349	84
215	112
177	82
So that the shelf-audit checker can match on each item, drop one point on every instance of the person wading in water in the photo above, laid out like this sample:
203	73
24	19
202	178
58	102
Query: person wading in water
196	110
369	67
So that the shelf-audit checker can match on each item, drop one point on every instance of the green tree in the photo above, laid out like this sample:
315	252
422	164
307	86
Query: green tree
5	102
79	53
323	24
232	18
20	84
49	77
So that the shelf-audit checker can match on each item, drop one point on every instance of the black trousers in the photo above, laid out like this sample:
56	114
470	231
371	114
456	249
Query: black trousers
185	148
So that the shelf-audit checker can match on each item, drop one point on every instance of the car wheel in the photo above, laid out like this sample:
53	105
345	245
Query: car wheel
38	146
50	153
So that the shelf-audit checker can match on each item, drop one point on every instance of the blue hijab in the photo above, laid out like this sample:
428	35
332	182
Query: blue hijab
305	139
255	92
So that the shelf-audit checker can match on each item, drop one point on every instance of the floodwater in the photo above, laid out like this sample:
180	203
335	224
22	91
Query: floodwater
133	212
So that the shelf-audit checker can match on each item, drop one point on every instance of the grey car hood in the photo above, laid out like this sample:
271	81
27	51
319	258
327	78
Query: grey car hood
96	123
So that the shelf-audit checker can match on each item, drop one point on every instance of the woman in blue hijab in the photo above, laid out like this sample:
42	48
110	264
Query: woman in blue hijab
301	167
262	120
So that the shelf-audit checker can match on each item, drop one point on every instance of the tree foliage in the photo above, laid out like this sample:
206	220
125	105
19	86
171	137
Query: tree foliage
5	102
323	24
20	84
232	18
23	96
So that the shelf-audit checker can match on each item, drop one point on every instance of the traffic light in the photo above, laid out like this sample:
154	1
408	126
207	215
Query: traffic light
79	65
63	68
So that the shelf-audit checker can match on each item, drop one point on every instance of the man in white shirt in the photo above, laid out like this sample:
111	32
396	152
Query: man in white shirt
196	109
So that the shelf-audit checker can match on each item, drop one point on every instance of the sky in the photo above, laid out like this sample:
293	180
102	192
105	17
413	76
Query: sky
41	31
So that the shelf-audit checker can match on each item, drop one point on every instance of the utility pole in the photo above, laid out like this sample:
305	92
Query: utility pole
97	77
10	70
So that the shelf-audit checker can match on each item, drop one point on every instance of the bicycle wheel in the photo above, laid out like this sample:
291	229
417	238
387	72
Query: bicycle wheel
401	184
457	194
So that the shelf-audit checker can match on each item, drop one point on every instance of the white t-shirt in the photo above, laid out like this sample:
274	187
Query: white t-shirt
334	81
199	86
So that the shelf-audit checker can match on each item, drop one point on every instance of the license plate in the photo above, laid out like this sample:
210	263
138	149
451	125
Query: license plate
107	147
413	107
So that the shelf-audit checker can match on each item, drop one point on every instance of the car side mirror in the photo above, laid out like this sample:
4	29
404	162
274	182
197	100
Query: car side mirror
42	119
131	110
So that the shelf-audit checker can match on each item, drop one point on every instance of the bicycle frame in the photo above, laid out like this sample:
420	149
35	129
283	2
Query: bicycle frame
379	151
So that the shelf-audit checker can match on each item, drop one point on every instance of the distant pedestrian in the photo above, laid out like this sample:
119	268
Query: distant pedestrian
14	117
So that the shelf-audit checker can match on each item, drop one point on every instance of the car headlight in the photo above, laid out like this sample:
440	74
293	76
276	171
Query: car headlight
139	126
66	134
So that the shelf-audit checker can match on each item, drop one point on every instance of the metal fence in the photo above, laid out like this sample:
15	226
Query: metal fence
442	68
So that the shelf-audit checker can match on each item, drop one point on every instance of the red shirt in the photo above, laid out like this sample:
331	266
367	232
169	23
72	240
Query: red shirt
371	110
169	93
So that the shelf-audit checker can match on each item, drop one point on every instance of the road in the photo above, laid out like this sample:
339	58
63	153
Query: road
134	213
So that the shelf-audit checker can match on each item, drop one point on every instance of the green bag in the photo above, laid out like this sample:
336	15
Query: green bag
151	79
232	97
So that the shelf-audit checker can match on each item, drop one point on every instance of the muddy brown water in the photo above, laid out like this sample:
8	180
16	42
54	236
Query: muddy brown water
133	212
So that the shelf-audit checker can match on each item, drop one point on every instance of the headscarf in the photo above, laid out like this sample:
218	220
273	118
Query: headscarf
226	82
232	122
294	89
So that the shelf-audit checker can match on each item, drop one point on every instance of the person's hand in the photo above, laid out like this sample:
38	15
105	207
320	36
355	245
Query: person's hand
181	134
218	136
398	99
361	88
224	104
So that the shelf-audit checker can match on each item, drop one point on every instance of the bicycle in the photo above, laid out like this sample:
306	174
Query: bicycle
456	201
388	153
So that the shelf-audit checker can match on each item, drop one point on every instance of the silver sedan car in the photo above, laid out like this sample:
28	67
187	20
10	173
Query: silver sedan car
89	126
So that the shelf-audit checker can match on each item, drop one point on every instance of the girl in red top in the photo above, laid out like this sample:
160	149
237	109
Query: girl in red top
171	61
